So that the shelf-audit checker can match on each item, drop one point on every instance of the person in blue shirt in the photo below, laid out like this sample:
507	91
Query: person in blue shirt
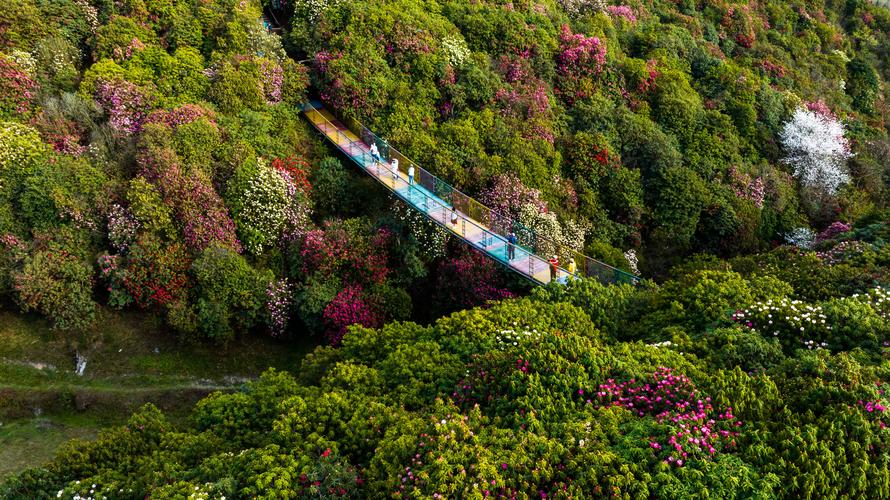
511	245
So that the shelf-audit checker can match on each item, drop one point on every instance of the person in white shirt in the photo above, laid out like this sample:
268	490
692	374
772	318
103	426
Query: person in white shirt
411	175
375	154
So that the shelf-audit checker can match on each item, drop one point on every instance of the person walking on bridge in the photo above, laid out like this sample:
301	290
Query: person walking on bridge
410	175
375	154
511	246
572	268
554	267
394	164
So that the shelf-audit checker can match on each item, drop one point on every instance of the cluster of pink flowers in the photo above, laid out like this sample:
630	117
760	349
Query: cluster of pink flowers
349	307
772	69
699	430
16	87
525	102
833	231
622	11
820	108
279	301
187	113
748	188
272	80
872	406
649	83
126	104
508	195
580	55
196	205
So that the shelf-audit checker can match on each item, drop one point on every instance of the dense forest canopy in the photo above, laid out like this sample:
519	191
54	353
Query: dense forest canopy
153	158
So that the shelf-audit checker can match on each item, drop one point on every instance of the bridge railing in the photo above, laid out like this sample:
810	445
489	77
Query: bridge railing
494	226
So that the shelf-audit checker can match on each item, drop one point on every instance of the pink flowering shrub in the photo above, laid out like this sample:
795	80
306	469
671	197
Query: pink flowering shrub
579	60
125	103
16	88
697	430
748	188
349	307
579	55
507	195
196	205
834	230
820	108
271	81
187	113
622	11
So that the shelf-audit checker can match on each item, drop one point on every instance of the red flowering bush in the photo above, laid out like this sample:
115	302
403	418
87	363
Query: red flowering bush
153	275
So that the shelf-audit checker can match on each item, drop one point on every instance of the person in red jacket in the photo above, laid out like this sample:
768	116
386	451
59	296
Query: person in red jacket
554	267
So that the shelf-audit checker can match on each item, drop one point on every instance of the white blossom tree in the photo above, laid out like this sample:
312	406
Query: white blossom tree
816	148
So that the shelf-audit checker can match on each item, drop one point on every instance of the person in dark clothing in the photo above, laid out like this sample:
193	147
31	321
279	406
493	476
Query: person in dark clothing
511	246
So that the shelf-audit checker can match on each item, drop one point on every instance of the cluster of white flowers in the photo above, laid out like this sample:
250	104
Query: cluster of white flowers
879	300
783	316
658	345
431	237
510	337
802	237
577	7
24	60
312	10
817	150
263	43
264	207
632	260
90	13
812	344
552	237
455	47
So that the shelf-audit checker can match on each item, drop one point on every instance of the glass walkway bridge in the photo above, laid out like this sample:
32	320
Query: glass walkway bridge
477	225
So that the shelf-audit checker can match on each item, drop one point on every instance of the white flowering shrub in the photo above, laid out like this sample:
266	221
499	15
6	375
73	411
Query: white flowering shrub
633	261
817	150
553	238
265	44
312	10
794	323
577	7
261	209
802	237
455	49
838	324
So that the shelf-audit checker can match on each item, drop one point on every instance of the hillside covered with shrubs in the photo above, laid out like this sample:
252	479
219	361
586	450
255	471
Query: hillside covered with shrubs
153	158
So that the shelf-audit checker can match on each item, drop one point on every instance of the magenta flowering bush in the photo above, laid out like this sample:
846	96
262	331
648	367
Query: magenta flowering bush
507	195
622	11
126	104
836	229
468	280
272	80
697	429
579	55
748	188
349	307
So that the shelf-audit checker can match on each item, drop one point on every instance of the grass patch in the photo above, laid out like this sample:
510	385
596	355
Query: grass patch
133	359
